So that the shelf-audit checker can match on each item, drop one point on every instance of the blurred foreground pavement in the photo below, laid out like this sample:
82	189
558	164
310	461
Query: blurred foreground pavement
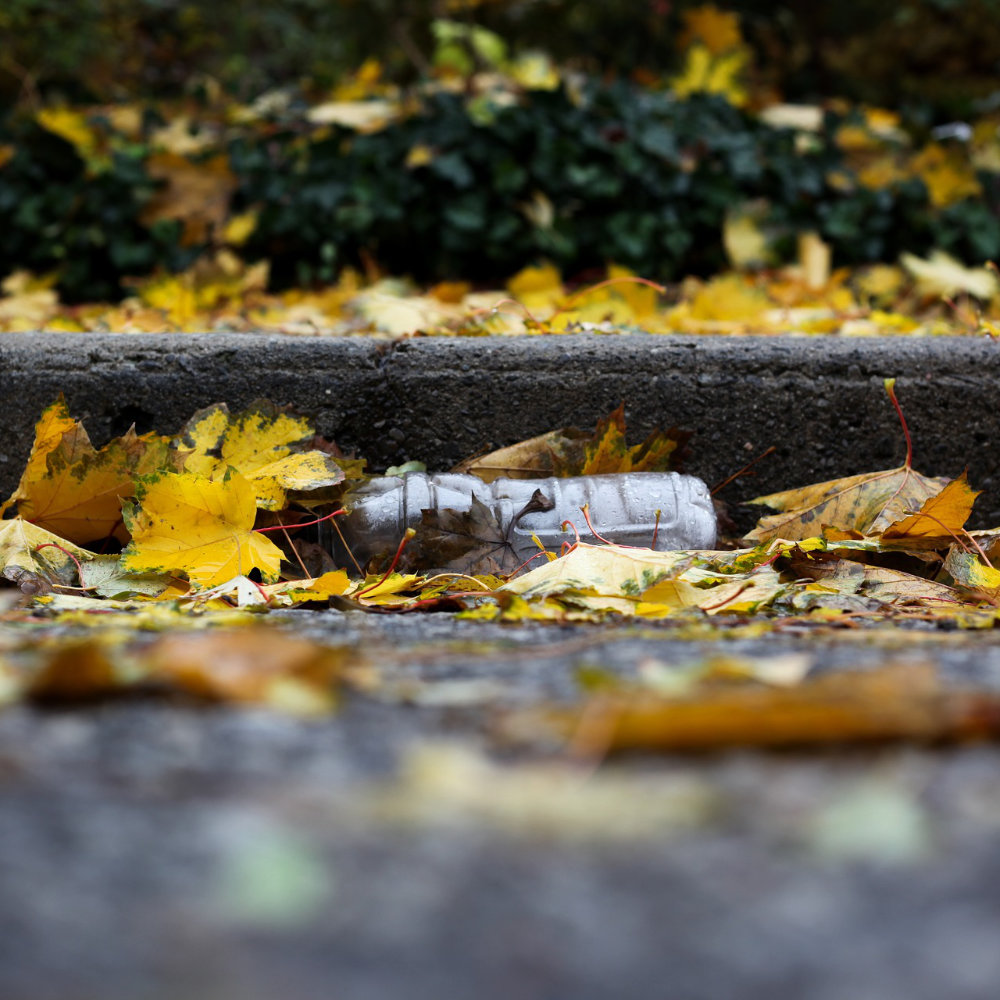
154	851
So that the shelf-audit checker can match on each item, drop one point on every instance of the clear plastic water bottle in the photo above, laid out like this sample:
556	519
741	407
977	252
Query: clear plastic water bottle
661	510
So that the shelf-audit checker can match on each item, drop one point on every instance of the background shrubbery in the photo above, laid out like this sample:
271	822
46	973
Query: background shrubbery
937	55
131	141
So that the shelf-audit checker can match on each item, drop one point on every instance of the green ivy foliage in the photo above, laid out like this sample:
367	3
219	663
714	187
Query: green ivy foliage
615	173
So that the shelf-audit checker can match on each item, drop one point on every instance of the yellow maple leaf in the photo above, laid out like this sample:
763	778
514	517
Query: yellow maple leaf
246	441
173	296
310	471
79	497
74	490
622	298
608	452
390	590
214	282
331	584
608	577
728	298
187	523
539	289
641	298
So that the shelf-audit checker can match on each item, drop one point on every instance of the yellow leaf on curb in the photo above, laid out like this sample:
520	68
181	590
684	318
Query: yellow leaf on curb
867	504
539	289
310	471
245	441
202	527
940	516
74	490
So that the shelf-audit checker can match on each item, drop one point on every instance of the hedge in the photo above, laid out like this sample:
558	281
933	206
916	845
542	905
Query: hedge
466	189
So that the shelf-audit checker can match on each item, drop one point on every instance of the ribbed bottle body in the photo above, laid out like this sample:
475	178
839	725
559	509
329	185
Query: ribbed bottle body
662	510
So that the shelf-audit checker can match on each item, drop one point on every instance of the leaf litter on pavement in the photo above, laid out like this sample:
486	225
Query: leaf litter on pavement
916	297
150	564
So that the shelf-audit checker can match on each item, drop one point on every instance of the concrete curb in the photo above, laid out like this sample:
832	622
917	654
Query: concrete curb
819	401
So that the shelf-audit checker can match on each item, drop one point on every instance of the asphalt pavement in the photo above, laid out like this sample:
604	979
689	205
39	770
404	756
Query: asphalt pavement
401	848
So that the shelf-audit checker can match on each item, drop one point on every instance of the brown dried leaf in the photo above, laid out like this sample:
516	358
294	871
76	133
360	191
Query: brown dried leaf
902	701
868	504
470	541
572	452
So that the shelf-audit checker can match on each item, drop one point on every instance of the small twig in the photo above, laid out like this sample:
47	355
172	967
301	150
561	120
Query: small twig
495	308
357	565
295	551
529	560
742	472
570	524
302	524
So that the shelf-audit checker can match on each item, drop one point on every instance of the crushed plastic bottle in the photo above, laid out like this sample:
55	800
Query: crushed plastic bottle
622	507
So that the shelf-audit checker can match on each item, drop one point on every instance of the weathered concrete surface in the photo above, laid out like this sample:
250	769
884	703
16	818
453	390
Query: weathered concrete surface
818	400
155	851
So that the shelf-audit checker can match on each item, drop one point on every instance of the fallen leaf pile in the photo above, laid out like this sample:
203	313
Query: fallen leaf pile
217	516
720	707
936	296
216	525
190	156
